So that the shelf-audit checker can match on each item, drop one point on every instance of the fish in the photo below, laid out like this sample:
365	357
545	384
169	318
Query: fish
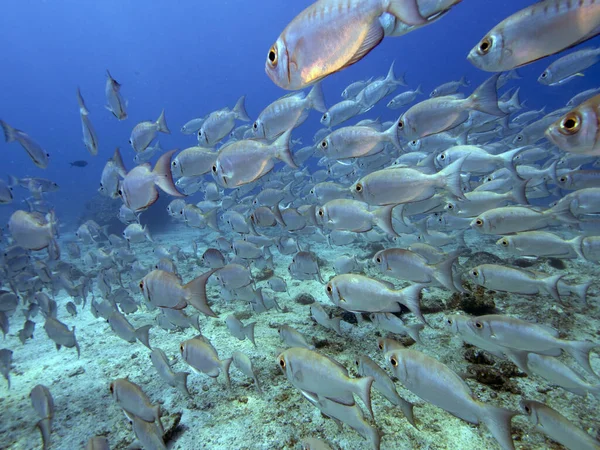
37	154
138	188
219	123
149	434
135	233
244	365
78	163
366	367
144	133
578	131
356	216
439	385
174	379
293	338
6	364
193	161
359	293
27	331
239	330
318	313
90	139
557	427
202	357
147	154
288	112
352	29
112	174
164	290
122	328
192	126
541	243
133	400
340	112
245	161
213	258
60	334
34	231
322	376
6	195
512	332
405	98
394	324
569	66
439	114
43	404
310	443
114	101
449	88
531	34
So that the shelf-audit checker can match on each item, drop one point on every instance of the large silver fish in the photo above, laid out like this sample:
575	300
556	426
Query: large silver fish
542	29
351	29
145	132
114	101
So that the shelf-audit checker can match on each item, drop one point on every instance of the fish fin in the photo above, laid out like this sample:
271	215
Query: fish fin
142	335
315	98
407	410
485	97
464	81
212	219
392	135
519	192
450	177
577	244
411	298
508	159
45	427
240	109
443	273
180	379
406	11
197	293
161	122
82	109
580	351
418	90
335	323
9	132
115	83
281	149
550	285
520	358
117	159
225	364
164	177
371	40
414	330
249	332
498	421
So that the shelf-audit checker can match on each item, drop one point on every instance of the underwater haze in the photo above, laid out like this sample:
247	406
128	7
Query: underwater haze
306	287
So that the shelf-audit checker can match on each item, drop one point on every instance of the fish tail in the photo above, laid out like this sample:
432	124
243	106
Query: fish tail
225	365
161	122
281	148
550	285
211	218
142	335
519	192
383	219
362	388
414	331
13	181
147	233
82	109
45	427
464	81
336	324
392	135
485	97
180	379
315	98
580	351
577	244
240	109
406	11
552	171
411	298
509	160
249	332
117	159
407	410
581	289
164	177
9	132
418	90
444	274
197	293
450	177
498	421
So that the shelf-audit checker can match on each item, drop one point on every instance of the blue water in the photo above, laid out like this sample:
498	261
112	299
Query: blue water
191	58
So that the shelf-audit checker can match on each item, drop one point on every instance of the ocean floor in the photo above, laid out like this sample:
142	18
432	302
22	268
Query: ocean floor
217	417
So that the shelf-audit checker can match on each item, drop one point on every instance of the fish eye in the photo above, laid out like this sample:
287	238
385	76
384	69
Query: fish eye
478	325
214	168
504	242
527	409
394	361
111	388
380	345
324	144
130	141
48	155
485	46
442	157
120	192
378	259
272	56
181	348
413	142
282	363
142	284
520	137
174	163
329	288
321	213
400	124
358	187
475	273
545	75
450	206
570	124
479	222
255	125
449	321
325	116
563	179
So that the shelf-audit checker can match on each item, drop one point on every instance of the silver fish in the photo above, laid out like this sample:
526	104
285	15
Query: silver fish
202	357
161	364
145	132
37	154
569	66
133	400
114	101
89	134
